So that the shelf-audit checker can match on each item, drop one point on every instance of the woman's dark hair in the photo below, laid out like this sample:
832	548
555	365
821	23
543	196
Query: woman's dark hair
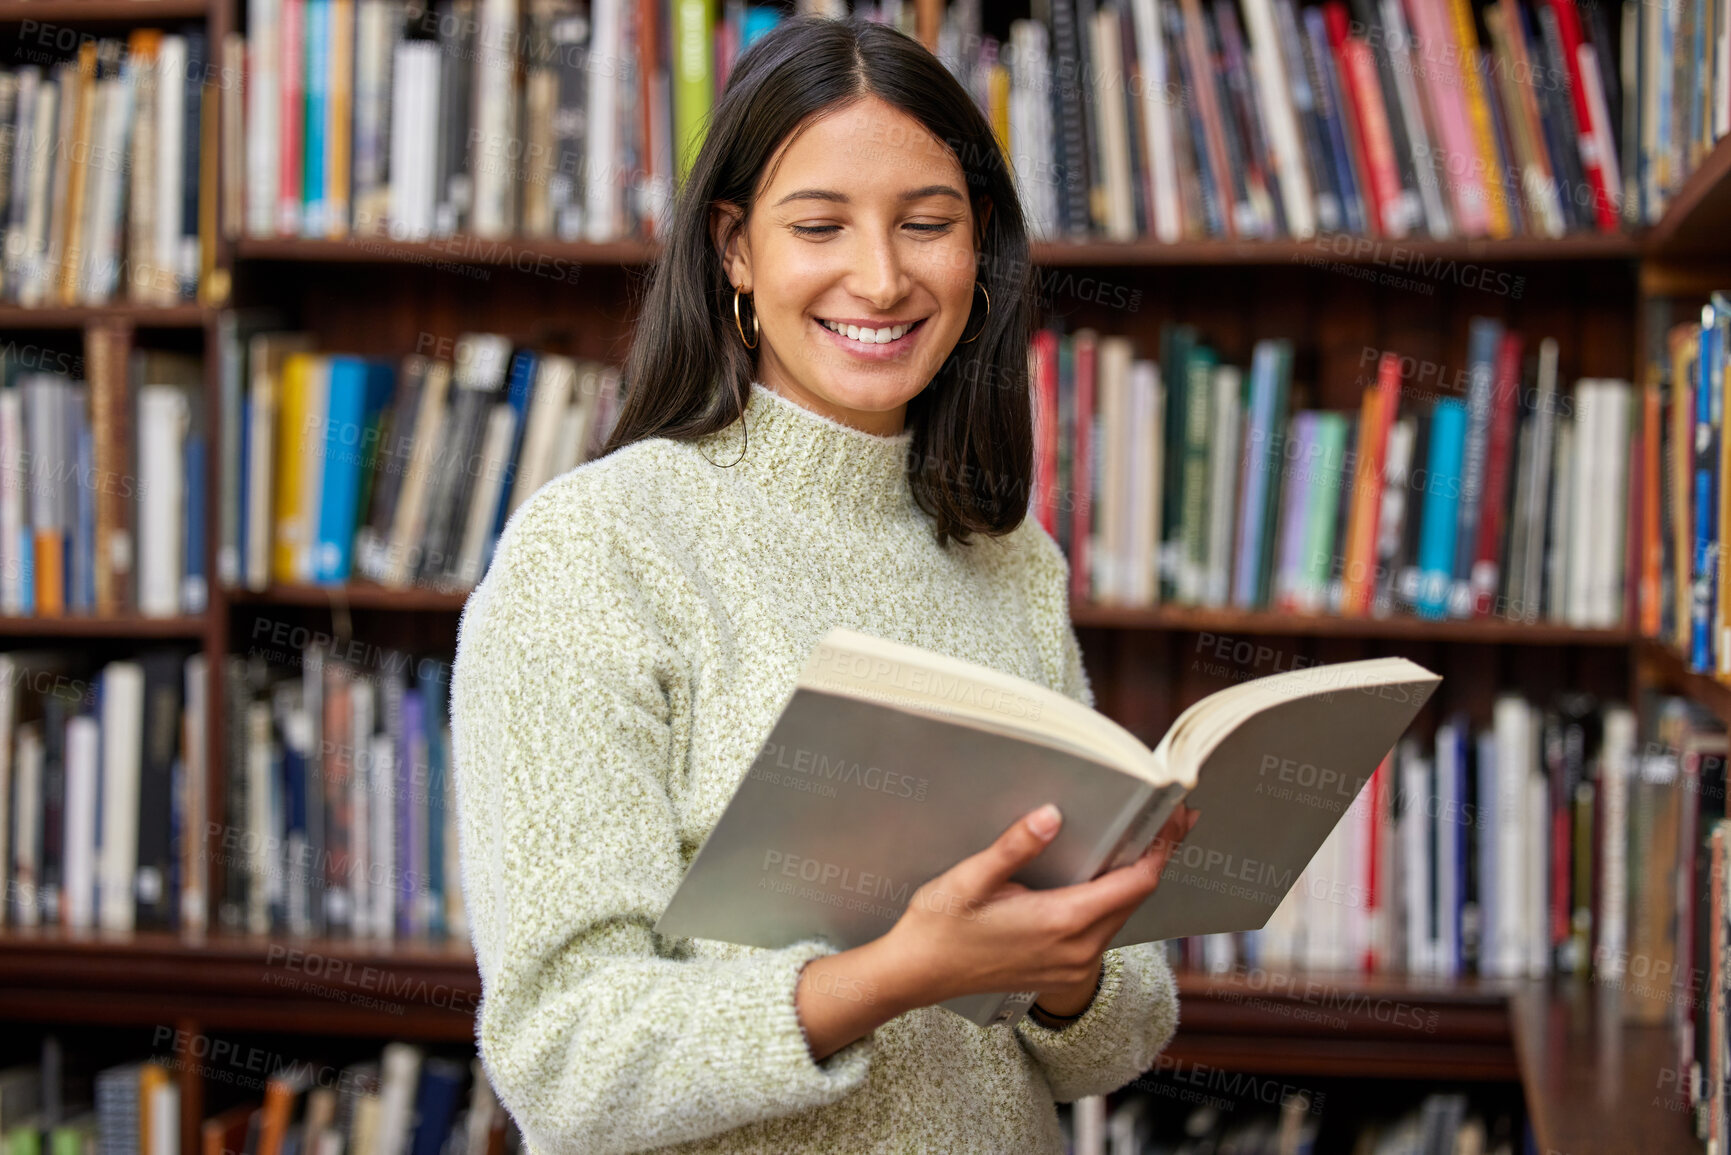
688	373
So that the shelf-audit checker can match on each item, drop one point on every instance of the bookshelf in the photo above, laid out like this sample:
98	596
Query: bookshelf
1589	1081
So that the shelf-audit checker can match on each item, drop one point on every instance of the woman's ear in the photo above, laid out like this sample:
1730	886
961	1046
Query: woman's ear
727	231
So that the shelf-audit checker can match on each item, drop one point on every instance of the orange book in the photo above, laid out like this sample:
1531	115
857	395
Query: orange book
50	560
1356	579
1650	485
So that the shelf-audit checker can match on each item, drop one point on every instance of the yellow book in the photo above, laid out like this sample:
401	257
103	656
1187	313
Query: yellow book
337	151
1484	133
998	93
1685	344
72	256
289	529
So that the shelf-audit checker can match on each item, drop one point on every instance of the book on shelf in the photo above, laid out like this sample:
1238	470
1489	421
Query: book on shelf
103	781
890	763
1184	480
408	1099
102	483
397	472
339	813
122	222
1189	120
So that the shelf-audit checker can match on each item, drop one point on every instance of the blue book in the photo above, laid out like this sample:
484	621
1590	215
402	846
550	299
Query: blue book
436	1103
1259	465
1328	110
435	692
411	817
194	583
524	367
27	571
356	393
1703	588
1436	546
82	595
758	21
1484	335
318	24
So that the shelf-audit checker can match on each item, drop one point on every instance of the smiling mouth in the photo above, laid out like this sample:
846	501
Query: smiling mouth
869	336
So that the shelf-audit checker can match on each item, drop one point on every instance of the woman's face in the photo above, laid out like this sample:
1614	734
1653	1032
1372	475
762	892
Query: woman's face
864	224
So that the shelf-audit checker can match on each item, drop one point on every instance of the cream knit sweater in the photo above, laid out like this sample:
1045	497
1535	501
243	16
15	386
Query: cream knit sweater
642	623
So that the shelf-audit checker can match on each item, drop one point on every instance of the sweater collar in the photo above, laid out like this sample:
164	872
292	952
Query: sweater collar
812	461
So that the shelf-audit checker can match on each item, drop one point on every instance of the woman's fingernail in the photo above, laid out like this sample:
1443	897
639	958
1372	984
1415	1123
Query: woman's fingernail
1045	821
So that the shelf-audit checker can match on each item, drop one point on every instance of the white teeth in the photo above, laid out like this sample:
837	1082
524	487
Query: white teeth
867	336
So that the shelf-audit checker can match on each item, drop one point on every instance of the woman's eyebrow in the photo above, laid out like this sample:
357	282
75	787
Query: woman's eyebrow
840	198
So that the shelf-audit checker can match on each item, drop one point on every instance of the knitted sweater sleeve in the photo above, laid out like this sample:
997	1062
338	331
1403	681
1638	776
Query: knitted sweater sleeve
569	712
1135	1012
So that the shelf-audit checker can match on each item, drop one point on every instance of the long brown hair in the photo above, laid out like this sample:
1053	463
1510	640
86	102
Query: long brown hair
688	373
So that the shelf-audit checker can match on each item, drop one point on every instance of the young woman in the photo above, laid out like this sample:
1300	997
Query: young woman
827	424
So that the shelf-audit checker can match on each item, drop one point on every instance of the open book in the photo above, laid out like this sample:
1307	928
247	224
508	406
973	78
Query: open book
889	764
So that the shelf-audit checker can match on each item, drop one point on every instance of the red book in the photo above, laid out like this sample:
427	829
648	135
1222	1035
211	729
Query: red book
1487	558
1045	426
1082	466
1368	117
291	65
1569	33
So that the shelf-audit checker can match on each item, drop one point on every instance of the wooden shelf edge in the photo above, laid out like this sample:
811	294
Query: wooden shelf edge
1706	188
1667	667
1267	622
352	595
99	11
187	316
77	626
1323	250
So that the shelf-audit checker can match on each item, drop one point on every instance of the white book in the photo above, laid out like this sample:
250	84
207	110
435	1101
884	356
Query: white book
1278	114
122	753
78	873
1114	125
85	257
8	710
399	1078
554	379
1157	152
1562	517
164	1137
484	499
1148	412
383	811
1224	444
1395	506
1611	919
1511	725
1609	576
141	284
1088	1124
1721	71
1276	941
580	419
23	157
259	868
263	100
164	416
44	145
1114	431
14	483
414	91
170	141
493	78
1031	126
361	800
110	212
26	831
601	192
195	865
1587	499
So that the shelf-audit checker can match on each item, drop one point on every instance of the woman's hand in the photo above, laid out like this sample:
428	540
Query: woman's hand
972	930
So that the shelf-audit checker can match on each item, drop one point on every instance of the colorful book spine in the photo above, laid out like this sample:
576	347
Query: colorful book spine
1441	500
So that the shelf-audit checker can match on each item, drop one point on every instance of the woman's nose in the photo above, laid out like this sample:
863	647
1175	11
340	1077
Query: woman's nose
879	276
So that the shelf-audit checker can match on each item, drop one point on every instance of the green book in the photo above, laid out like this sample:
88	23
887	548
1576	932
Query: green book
1277	469
1176	341
24	1139
693	78
1193	528
1320	514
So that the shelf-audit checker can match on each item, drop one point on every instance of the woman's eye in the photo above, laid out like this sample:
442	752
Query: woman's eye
815	230
931	227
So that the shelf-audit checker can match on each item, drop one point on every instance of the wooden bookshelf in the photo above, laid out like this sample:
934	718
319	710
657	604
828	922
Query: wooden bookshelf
1588	1080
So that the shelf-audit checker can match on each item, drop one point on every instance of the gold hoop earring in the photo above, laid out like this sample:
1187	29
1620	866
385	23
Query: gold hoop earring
982	288
756	333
